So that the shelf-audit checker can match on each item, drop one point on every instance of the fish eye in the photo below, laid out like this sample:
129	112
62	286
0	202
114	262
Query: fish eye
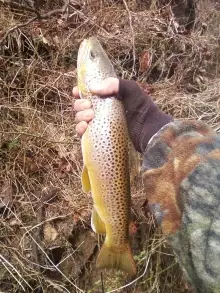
92	55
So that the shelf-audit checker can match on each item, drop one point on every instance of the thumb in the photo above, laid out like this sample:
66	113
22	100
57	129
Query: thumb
109	86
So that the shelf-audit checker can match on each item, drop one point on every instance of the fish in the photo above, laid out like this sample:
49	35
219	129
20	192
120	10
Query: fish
106	161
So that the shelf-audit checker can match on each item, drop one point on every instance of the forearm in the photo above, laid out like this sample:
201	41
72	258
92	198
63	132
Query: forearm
143	116
182	180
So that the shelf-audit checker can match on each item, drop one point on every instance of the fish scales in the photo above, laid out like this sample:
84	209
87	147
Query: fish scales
109	146
106	161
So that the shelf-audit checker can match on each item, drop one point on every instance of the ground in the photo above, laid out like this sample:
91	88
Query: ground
171	49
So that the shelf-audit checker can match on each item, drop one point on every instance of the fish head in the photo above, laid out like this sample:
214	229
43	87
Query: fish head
93	65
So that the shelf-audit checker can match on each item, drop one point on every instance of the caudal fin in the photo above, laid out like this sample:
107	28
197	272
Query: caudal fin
110	259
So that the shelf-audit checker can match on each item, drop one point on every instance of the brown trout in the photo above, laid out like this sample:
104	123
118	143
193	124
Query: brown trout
106	161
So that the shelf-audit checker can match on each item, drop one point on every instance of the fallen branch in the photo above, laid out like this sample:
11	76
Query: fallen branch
38	15
12	29
133	37
18	6
35	136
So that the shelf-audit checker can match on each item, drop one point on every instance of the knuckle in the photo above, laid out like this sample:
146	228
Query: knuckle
81	127
81	105
76	105
79	116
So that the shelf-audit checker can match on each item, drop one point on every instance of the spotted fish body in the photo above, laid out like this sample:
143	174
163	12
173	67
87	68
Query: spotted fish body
106	162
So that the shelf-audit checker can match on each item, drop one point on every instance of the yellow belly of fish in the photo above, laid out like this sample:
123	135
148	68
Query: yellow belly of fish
91	182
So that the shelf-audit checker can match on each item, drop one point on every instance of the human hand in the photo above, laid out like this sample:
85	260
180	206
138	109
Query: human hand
83	107
143	117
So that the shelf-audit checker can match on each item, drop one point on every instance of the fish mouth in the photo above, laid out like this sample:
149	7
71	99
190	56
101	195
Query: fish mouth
86	42
83	46
82	52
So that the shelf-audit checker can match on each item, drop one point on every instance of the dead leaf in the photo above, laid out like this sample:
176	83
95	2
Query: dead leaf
45	41
76	219
56	40
55	135
144	61
6	194
14	222
50	233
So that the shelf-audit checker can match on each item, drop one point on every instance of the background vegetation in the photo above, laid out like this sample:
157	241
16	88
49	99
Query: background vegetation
171	48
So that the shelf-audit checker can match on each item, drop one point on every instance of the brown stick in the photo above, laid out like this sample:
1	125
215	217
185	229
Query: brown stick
46	195
16	5
16	27
133	36
38	15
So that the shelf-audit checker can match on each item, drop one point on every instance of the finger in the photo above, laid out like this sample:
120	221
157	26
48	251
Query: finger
82	104
109	86
85	115
75	92
81	127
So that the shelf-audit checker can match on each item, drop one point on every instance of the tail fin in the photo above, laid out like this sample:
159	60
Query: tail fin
123	260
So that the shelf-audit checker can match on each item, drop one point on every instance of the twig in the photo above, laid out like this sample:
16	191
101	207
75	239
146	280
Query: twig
55	11
46	196
4	260
38	16
58	287
16	5
47	257
35	136
133	37
45	221
16	27
34	10
103	289
10	272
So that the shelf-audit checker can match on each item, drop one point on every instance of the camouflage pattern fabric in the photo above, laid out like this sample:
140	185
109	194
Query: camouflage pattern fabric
181	173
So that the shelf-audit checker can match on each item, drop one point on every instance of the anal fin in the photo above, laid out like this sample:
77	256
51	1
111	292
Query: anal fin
98	226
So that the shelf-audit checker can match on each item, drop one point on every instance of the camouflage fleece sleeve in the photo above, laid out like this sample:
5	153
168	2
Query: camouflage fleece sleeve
181	173
144	118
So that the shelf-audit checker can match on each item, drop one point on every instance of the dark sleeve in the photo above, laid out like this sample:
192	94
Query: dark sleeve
181	174
143	116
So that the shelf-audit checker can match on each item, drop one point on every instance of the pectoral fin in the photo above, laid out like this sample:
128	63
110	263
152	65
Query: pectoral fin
98	226
86	187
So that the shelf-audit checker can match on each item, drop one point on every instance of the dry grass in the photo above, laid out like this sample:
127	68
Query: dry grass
45	238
